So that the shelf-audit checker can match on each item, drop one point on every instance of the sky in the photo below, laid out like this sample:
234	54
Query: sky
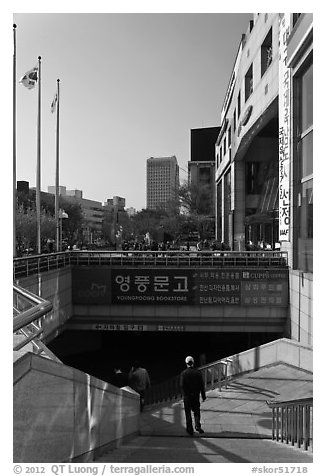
132	86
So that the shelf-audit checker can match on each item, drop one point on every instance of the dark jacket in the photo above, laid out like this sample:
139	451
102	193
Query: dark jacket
139	379
120	379
192	382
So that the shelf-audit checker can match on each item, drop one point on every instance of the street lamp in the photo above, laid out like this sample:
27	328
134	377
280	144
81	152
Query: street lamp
62	215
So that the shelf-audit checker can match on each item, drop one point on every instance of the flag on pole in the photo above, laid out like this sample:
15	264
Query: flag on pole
54	103
30	78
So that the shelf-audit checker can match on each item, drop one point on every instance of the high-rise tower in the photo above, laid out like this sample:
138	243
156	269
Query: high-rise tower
162	182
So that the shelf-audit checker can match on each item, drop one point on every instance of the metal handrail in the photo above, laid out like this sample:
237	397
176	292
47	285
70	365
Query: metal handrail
215	375
39	308
292	421
25	319
33	264
29	265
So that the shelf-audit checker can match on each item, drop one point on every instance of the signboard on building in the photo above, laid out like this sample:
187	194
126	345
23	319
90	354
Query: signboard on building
243	287
181	286
152	286
284	130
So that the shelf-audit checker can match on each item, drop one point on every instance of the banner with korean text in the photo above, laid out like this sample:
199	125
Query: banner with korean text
180	286
284	130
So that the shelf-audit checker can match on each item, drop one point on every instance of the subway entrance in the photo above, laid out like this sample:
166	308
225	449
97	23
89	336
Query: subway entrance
161	353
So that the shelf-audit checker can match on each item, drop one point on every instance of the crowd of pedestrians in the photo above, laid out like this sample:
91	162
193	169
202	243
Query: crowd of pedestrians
175	245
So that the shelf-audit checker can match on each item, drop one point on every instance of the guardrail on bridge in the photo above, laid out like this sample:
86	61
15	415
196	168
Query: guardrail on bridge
29	265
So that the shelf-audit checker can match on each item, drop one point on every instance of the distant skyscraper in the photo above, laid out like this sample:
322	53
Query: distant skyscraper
162	182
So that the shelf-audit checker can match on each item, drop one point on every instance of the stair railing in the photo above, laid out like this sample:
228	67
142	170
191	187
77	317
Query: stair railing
292	422
28	311
215	375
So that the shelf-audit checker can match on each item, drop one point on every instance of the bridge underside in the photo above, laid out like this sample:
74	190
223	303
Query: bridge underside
192	318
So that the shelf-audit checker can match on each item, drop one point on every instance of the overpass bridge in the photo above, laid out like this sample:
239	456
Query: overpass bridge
62	414
174	291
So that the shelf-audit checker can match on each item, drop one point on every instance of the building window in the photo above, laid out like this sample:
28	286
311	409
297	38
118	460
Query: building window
303	84
266	52
239	104
227	208
224	145
249	83
253	178
219	203
229	137
204	175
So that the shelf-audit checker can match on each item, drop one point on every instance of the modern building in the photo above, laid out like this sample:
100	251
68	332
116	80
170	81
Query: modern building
115	207
114	218
22	186
62	190
247	145
201	167
162	182
117	203
92	212
264	172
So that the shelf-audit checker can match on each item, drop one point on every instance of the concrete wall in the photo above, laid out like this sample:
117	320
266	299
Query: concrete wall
282	350
62	414
300	326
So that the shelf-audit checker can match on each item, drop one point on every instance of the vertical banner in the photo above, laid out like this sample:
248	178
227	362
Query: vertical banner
284	130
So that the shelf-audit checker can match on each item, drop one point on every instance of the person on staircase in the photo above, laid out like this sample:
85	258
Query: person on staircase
139	381
192	386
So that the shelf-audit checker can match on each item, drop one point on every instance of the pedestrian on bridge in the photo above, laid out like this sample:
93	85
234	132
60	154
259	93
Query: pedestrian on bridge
139	381
192	385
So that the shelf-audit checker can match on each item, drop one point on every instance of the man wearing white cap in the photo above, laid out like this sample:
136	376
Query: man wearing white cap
192	385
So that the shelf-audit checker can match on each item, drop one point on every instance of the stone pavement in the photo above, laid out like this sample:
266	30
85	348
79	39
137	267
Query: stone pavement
237	424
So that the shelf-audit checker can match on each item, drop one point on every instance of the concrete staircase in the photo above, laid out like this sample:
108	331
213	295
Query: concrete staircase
237	424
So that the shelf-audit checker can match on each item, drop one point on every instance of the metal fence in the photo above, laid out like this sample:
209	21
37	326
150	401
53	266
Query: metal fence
34	264
292	422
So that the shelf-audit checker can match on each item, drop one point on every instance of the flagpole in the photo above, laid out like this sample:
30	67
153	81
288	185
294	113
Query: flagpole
38	166
57	218
14	143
